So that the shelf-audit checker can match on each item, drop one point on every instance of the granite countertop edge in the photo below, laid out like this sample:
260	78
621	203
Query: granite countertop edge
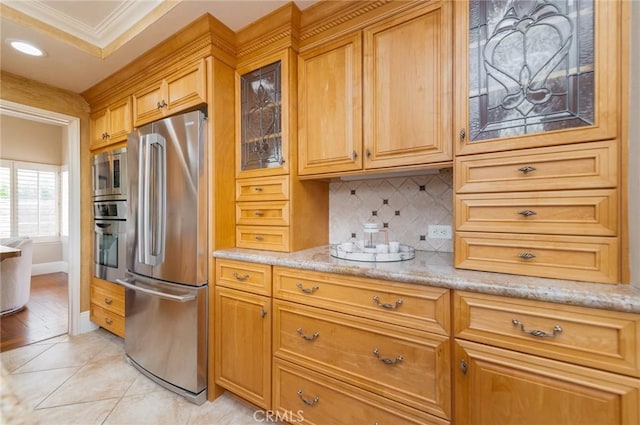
436	269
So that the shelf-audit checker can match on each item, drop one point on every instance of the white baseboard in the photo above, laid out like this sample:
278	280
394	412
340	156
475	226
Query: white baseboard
86	325
52	267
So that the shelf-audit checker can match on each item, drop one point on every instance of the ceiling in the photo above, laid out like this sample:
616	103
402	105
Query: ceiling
88	40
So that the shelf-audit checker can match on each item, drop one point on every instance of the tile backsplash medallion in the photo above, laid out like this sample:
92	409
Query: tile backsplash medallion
406	206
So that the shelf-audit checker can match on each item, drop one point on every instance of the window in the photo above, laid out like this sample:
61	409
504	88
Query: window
29	200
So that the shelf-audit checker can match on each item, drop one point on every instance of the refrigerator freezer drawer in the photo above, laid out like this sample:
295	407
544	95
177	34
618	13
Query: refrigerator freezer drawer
166	328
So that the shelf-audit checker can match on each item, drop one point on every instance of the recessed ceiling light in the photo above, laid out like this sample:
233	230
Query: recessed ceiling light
26	48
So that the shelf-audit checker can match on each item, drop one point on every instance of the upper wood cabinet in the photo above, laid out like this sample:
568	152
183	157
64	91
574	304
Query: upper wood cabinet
111	124
531	75
263	111
174	93
379	98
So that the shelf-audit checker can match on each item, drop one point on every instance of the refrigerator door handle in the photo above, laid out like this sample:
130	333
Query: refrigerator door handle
153	209
178	298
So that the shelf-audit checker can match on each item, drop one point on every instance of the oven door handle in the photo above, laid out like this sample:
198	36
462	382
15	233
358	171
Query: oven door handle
179	298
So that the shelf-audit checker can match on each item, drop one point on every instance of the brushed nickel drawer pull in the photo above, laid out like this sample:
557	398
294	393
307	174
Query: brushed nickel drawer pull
386	360
315	400
259	238
311	290
307	337
259	213
241	278
526	255
387	306
108	301
540	334
526	169
463	134
108	321
527	213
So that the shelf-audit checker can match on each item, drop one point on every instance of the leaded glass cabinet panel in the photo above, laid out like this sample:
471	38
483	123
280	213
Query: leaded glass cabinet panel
261	118
535	72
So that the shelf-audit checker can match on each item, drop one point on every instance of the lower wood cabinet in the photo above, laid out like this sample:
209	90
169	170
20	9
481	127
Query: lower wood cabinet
107	306
496	386
360	345
525	362
243	344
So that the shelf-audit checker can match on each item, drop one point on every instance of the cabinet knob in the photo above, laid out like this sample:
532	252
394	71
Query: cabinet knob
259	213
259	238
463	134
108	301
464	367
526	169
263	313
354	155
368	153
258	189
527	213
108	321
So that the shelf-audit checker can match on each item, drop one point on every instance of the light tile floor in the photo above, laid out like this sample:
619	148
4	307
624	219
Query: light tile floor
86	379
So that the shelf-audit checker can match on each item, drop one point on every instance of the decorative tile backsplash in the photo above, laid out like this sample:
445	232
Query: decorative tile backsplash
404	205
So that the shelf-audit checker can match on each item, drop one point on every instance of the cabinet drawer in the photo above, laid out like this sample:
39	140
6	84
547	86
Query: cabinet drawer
592	259
602	339
263	189
410	367
107	295
581	166
250	277
267	213
108	320
311	398
271	238
577	212
413	306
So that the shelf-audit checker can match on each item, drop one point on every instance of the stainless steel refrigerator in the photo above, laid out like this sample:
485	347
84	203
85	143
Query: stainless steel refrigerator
166	279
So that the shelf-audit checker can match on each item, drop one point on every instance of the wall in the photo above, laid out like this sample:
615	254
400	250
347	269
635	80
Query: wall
31	93
405	205
30	141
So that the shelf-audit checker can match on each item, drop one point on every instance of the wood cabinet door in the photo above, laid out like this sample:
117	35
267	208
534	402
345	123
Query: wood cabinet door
495	386
99	129
530	76
119	120
186	88
408	88
243	345
147	104
330	107
266	115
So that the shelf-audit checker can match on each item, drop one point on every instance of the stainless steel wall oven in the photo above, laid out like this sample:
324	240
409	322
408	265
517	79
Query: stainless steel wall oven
110	242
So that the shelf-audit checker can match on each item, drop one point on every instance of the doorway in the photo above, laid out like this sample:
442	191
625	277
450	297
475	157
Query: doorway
71	132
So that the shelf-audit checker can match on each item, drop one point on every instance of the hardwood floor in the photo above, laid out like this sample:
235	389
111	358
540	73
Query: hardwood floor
45	316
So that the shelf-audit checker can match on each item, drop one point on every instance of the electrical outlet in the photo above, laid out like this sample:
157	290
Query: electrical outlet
439	231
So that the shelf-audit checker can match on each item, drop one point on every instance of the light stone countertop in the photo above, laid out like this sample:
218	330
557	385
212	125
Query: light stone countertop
436	269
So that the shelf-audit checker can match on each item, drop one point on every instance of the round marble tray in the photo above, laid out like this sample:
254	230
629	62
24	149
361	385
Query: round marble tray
406	253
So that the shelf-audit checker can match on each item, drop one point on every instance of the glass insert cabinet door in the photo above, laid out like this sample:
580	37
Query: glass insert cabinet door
261	118
535	72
